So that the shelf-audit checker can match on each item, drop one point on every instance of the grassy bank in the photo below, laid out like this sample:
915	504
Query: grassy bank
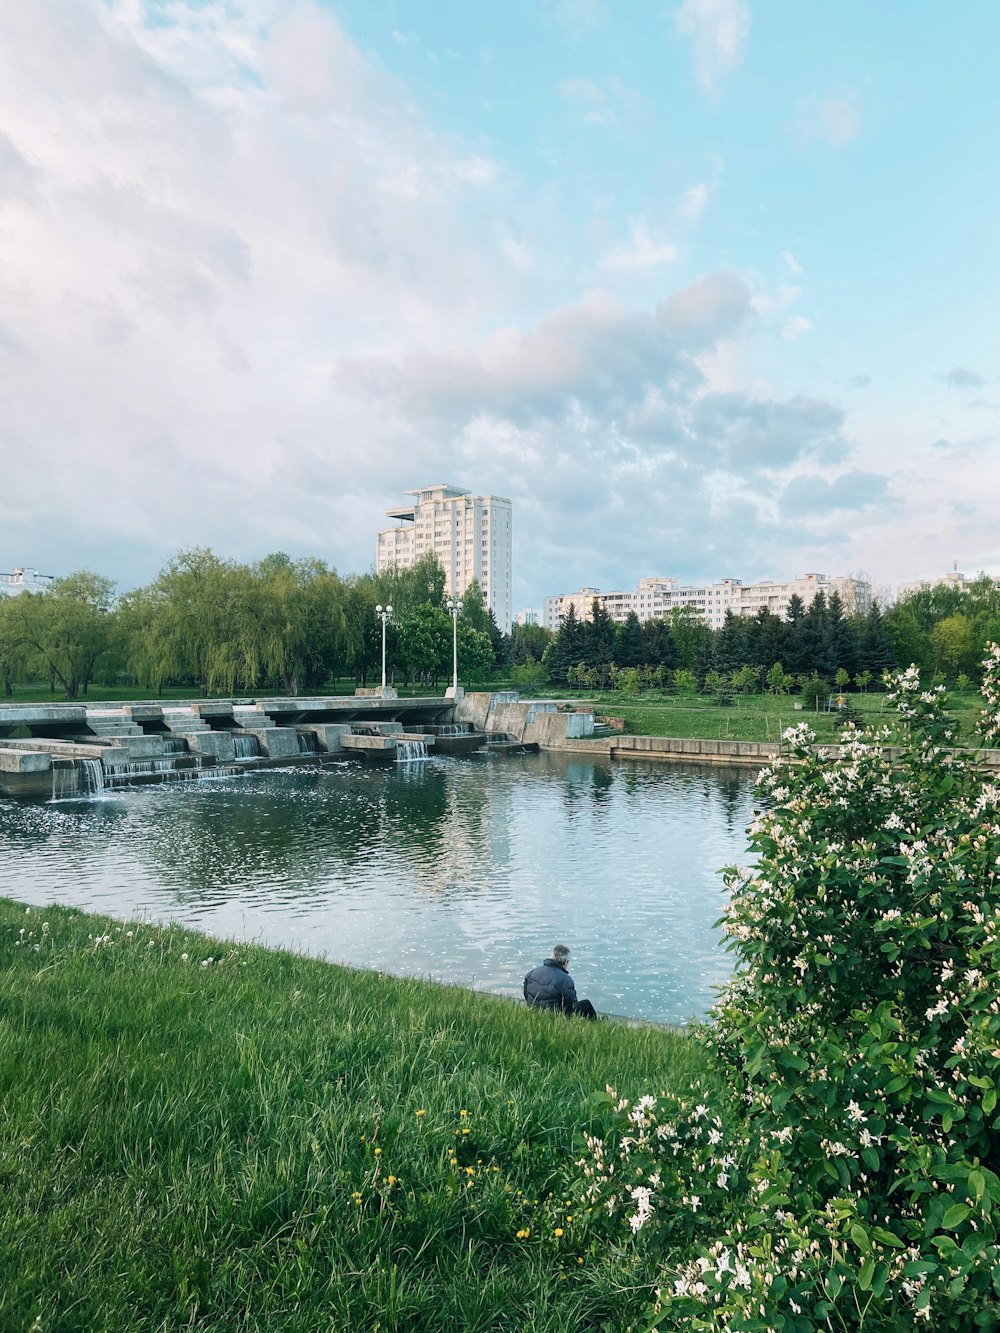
199	1135
753	717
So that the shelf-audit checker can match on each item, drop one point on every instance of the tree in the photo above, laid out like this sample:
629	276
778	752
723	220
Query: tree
629	646
528	643
657	647
424	643
849	1172
690	633
953	644
566	649
598	636
475	652
796	657
66	630
730	645
777	681
474	612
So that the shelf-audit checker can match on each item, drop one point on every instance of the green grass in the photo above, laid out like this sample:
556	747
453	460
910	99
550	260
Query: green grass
269	1142
752	717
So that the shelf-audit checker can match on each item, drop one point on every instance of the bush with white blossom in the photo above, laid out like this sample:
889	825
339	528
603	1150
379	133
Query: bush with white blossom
845	1174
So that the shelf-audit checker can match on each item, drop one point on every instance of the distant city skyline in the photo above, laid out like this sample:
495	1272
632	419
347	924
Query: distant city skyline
702	286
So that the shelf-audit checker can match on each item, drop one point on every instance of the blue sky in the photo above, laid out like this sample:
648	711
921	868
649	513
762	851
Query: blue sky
708	288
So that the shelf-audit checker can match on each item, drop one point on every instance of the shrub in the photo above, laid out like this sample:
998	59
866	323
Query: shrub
848	1179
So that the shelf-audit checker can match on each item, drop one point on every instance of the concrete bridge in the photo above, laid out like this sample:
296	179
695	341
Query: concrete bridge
68	749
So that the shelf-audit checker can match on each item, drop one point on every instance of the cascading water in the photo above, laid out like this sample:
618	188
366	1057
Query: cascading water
307	742
454	729
80	780
174	745
410	750
246	747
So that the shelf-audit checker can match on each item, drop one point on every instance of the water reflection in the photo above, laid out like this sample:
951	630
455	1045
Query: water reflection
466	868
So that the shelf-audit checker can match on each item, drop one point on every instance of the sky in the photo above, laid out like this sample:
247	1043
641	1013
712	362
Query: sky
708	288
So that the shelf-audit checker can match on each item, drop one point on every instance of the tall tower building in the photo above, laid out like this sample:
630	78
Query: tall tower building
469	534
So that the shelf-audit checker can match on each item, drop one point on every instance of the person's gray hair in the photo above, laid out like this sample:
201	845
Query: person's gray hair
560	954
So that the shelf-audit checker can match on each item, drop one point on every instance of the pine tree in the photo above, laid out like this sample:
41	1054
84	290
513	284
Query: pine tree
730	649
628	648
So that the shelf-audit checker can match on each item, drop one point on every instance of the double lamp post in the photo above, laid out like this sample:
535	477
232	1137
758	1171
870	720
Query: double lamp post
454	606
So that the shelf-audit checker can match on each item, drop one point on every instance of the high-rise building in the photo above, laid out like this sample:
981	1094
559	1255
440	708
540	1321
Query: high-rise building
24	580
469	534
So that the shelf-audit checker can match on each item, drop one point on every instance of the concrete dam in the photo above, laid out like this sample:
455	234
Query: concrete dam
60	751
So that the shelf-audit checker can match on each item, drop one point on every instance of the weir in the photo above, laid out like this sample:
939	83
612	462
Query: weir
71	748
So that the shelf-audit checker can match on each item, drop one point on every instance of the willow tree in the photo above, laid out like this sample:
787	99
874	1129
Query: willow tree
198	621
303	620
64	632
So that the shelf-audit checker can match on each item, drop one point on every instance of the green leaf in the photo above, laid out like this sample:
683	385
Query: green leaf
866	1274
955	1215
860	1237
887	1238
977	1184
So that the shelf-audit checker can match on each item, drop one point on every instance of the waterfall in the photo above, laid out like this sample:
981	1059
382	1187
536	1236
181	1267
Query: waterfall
454	729
307	742
165	768
498	738
407	750
81	779
247	747
174	745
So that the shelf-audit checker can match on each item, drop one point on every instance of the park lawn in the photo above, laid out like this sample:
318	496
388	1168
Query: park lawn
203	1135
753	717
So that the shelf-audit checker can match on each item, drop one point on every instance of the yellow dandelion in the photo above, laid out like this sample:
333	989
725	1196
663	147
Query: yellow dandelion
378	1152
580	1259
465	1131
391	1180
569	1217
558	1232
421	1111
524	1233
470	1170
463	1113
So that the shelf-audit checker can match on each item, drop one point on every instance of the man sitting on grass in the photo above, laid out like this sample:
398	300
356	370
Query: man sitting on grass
550	986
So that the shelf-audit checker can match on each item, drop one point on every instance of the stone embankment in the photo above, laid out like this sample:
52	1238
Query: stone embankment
752	754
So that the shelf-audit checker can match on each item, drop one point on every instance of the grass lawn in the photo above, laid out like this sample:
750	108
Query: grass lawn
207	1136
752	717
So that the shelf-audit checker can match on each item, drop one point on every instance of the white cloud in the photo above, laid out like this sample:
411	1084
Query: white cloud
835	120
578	18
794	327
718	30
643	251
793	264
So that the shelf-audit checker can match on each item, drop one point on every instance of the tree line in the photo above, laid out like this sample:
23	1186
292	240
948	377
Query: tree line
811	649
291	626
222	627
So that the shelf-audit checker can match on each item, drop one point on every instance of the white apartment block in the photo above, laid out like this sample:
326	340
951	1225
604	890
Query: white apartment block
953	579
469	534
529	616
24	580
655	598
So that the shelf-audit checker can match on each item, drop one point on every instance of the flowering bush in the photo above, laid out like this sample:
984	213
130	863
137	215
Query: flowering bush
846	1177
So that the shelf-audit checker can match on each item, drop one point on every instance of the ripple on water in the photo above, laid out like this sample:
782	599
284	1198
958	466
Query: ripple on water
456	868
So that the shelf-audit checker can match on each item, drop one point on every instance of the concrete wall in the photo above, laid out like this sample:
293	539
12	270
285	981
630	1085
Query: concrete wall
25	773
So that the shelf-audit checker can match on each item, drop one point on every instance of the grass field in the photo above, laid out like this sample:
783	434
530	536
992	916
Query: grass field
753	717
206	1136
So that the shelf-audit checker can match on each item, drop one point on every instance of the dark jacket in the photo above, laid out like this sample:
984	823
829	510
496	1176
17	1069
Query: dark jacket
550	987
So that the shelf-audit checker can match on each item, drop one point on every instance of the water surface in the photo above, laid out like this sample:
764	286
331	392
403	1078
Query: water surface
465	869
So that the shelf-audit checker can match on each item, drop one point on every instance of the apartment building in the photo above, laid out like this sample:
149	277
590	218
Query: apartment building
655	598
469	534
24	580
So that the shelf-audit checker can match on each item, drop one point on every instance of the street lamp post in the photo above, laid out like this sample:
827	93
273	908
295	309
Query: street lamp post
384	614
454	606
